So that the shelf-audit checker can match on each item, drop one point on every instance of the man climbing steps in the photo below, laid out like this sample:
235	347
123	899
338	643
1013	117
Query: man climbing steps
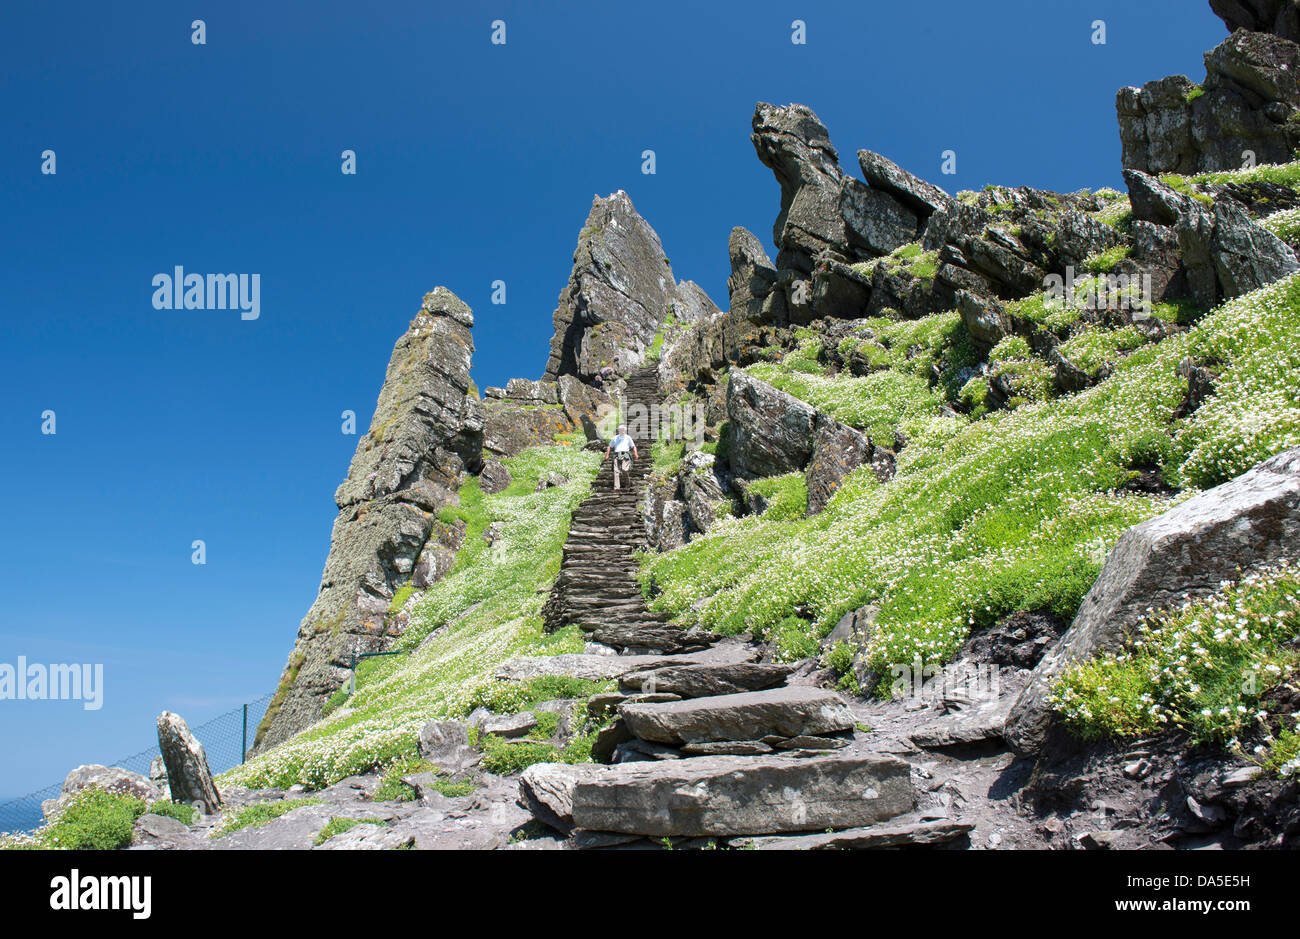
625	451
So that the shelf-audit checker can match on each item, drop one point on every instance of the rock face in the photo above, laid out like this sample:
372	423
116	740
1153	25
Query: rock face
1186	552
1223	252
795	145
188	774
772	433
619	294
720	795
780	712
426	433
1280	17
1246	103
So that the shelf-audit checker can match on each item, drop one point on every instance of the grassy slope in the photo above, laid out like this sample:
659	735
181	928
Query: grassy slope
485	611
988	514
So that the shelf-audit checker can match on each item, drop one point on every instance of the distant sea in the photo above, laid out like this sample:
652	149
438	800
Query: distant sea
20	816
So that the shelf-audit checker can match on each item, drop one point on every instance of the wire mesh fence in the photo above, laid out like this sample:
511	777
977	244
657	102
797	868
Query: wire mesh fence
226	739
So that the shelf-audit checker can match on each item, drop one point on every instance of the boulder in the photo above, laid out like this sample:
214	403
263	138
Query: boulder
1224	251
109	778
494	477
769	431
922	198
875	223
1186	552
446	745
720	796
753	715
161	832
187	765
509	725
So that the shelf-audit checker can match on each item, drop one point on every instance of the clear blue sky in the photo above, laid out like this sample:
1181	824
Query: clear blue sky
475	163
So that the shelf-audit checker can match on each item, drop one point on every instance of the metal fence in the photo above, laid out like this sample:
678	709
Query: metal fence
226	739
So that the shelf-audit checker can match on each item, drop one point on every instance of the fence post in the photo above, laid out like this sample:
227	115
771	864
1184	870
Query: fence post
243	742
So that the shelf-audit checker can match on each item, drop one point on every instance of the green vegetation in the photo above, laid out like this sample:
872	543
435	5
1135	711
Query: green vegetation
1283	174
509	697
391	788
486	610
787	496
94	820
400	596
1284	224
1106	261
338	825
1013	511
258	814
1188	187
185	814
1195	93
1094	349
1201	667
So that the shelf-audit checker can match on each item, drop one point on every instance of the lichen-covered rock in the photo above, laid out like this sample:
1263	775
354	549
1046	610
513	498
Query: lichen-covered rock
188	773
1280	17
796	146
494	477
1222	250
621	280
426	433
1247	103
1186	552
837	450
109	778
769	431
752	279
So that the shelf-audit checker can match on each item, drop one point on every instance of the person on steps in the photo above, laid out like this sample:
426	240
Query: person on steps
625	451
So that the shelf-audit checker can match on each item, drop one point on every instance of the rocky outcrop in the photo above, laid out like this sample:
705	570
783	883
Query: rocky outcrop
795	145
426	434
188	774
1279	17
1247	103
1223	252
620	293
771	433
684	505
1186	552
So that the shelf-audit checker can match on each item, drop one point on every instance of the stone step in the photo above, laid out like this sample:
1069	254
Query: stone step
720	796
706	681
781	712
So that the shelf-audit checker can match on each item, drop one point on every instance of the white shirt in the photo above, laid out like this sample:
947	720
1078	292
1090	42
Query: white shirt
622	443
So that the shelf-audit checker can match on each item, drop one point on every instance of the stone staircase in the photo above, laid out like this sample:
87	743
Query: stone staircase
597	586
708	742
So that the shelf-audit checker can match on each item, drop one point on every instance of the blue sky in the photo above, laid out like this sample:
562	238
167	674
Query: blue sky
475	163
